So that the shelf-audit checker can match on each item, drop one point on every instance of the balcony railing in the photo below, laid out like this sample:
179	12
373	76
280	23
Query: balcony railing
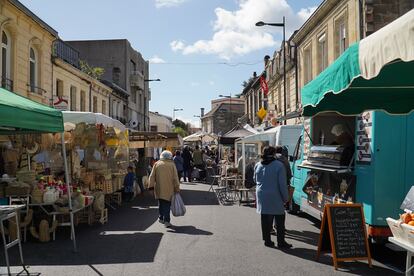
66	52
6	83
36	90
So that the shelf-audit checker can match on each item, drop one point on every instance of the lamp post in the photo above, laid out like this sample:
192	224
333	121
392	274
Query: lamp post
145	102
175	110
231	111
283	25
199	116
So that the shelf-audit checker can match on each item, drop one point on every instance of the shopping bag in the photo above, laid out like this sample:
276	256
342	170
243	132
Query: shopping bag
177	206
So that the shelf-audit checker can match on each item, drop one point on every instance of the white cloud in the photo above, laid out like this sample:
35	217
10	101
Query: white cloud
177	45
306	12
168	3
235	33
156	59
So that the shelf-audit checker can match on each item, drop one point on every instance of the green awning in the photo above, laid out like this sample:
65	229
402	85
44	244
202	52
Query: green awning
21	115
374	74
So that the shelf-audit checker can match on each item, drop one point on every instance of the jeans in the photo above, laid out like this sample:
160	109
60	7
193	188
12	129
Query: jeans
187	175
267	224
164	207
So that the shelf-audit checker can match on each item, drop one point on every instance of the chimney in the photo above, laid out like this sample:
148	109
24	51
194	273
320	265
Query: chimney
202	112
266	60
254	74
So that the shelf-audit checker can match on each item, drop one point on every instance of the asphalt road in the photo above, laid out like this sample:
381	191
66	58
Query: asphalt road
210	239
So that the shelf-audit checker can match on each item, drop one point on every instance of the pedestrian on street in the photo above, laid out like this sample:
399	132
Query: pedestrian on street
187	158
140	169
198	158
179	163
271	194
129	184
164	179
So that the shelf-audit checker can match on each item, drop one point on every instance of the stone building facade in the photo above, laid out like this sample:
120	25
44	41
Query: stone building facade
126	68
160	122
27	49
81	91
223	116
328	32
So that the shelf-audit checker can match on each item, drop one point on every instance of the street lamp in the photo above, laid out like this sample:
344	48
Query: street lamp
231	111
174	110
283	24
145	102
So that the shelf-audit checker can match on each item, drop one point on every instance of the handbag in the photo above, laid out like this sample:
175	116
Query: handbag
177	205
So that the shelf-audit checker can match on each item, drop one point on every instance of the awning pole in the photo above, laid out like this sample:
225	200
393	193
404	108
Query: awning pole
244	163
72	227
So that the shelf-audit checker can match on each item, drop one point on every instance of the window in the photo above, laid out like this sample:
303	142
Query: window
133	66
33	69
72	98
341	41
154	128
307	65
5	61
134	96
125	111
95	104
279	95
59	88
287	91
322	52
116	75
83	100
103	107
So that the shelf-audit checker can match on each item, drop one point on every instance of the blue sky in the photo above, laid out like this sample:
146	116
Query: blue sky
187	41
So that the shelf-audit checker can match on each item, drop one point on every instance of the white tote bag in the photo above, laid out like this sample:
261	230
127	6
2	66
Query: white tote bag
177	206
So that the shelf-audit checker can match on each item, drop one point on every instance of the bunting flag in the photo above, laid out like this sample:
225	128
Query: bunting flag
263	84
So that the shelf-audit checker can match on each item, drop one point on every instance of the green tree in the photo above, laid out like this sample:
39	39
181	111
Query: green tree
180	131
94	72
180	124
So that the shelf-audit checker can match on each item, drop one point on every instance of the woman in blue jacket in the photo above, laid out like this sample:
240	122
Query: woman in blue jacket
271	194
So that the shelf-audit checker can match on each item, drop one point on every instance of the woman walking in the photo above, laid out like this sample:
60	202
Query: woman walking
164	179
271	194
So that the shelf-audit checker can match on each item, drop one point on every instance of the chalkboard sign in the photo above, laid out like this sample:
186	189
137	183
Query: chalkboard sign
343	232
408	203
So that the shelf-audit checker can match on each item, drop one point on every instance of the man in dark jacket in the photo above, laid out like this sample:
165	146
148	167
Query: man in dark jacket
187	158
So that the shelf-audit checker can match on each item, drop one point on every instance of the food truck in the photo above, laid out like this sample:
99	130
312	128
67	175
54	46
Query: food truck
358	129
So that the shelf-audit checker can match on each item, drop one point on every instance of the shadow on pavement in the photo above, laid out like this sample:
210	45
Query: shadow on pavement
194	197
189	230
355	267
307	237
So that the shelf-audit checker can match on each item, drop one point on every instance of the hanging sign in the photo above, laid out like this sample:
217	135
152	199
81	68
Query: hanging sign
364	138
343	232
61	103
261	113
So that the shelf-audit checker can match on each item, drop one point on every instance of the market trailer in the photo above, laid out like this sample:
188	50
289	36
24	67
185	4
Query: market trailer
374	74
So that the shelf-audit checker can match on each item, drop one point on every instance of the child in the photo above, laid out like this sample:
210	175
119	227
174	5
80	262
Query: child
129	184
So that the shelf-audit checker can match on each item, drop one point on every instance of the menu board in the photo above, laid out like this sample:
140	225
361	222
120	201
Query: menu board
343	231
364	138
306	138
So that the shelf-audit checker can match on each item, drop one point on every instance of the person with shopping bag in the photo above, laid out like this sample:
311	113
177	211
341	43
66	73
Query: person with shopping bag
164	179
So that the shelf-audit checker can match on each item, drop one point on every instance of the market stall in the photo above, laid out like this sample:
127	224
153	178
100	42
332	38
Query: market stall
98	151
20	118
201	137
349	152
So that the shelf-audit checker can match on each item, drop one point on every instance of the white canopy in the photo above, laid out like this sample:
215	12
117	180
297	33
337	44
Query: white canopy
268	135
200	137
76	117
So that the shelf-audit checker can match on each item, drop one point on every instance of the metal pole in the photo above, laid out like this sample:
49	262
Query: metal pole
284	66
65	162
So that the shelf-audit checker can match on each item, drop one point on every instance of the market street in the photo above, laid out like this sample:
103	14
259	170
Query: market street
210	239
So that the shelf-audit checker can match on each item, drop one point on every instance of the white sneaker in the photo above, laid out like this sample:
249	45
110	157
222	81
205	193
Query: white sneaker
167	224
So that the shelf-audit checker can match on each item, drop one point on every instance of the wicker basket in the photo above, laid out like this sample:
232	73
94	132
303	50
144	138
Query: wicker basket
37	195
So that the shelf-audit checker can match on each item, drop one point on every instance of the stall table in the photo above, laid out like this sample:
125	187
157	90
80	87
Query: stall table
7	212
410	253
